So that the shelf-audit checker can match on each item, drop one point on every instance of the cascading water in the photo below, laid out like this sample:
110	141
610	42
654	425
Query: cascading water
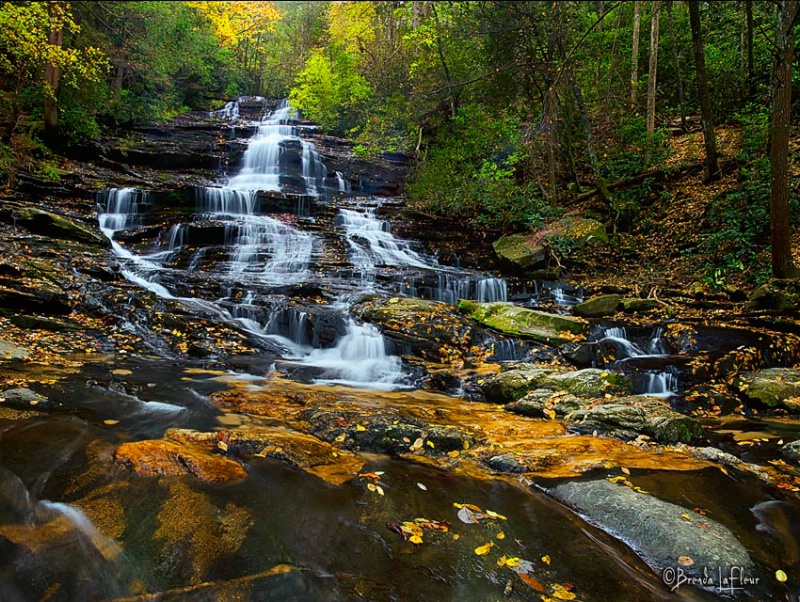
648	382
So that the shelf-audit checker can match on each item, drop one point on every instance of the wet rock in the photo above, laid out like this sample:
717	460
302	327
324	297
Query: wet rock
583	355
516	381
506	463
298	449
525	461
775	295
35	296
10	351
25	399
628	417
539	404
564	236
791	451
383	431
433	330
596	307
156	458
50	224
518	321
774	387
656	530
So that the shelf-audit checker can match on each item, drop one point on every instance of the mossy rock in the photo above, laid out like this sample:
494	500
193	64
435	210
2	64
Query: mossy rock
777	295
552	329
45	223
631	305
520	379
528	251
596	307
774	387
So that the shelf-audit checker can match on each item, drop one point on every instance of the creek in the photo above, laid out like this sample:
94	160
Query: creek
281	252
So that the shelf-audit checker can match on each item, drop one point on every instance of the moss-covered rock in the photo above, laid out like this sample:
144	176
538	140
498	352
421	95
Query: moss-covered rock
541	402
774	387
46	223
566	235
631	305
596	307
552	329
777	295
520	379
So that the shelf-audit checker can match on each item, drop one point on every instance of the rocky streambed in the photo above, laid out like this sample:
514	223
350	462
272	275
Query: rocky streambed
213	392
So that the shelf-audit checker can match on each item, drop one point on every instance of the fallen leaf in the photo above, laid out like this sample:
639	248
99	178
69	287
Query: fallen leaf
546	559
500	535
685	561
484	549
531	582
492	514
421	486
360	428
781	576
625	470
415	539
685	516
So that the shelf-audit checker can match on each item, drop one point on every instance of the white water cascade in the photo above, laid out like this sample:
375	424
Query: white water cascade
661	383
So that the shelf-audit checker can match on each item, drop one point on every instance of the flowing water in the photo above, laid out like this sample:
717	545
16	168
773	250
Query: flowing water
280	251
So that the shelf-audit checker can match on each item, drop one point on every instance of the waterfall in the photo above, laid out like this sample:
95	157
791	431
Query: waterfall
120	209
652	382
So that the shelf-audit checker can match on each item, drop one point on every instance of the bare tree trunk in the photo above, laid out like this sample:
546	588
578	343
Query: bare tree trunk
652	76
709	137
637	20
52	73
676	56
780	220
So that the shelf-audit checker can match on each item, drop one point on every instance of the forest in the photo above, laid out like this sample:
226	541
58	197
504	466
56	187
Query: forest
399	300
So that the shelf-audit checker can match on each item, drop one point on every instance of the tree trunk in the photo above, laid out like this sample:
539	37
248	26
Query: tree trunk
676	56
709	137
652	76
637	20
750	67
52	73
780	220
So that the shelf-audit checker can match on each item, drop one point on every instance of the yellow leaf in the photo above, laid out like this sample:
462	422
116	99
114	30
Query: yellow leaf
562	593
513	561
501	562
415	539
625	470
371	486
484	549
493	514
551	414
546	559
500	535
616	479
685	516
453	454
341	438
360	428
429	443
781	576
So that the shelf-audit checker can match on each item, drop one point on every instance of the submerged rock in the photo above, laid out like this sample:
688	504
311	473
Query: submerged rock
511	319
156	458
657	531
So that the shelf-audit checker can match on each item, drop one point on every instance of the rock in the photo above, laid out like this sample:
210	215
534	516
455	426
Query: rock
156	458
9	351
525	461
331	464
774	295
774	387
631	305
538	403
505	463
511	319
25	399
36	296
433	330
563	236
45	223
628	417
657	530
791	451
596	307
520	250
516	381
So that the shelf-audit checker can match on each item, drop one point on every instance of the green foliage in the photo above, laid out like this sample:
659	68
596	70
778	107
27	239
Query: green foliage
627	157
755	121
471	172
738	227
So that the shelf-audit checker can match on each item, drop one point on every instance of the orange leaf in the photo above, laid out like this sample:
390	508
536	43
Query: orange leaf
531	582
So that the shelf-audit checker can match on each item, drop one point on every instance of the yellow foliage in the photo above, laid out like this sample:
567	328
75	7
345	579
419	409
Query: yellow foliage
237	22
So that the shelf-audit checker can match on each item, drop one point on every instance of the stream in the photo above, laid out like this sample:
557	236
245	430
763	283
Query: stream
280	252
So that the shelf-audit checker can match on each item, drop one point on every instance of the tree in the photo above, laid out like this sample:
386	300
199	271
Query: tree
637	20
780	219
652	75
709	137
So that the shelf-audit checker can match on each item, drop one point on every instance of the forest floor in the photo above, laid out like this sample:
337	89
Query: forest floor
661	240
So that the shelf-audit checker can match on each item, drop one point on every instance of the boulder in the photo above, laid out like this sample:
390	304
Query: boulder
658	531
775	295
432	330
25	399
774	387
596	307
539	404
632	305
156	458
518	379
552	329
791	451
564	236
46	223
10	351
628	417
